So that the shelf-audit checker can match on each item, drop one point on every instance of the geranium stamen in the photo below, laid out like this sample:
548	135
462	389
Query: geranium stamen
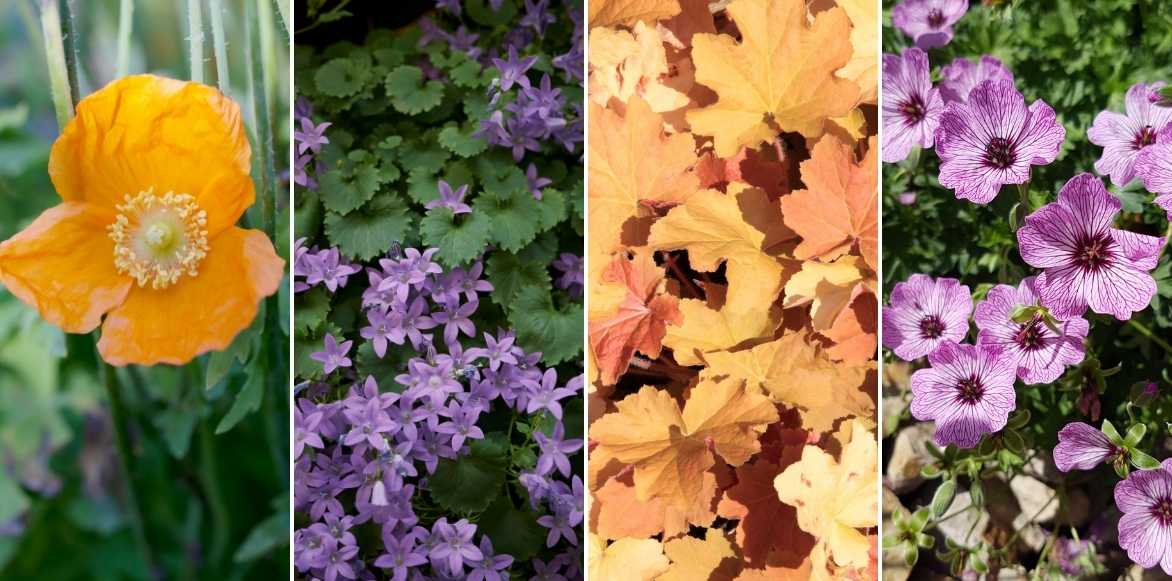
158	239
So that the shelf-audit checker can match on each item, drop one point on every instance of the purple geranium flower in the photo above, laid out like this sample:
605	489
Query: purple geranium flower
911	105
555	450
1145	530
452	200
962	75
1154	167
993	139
924	312
1042	352
513	69
311	137
1082	447
1123	137
928	22
968	392
535	182
329	268
455	545
334	355
401	555
572	278
1085	261
490	566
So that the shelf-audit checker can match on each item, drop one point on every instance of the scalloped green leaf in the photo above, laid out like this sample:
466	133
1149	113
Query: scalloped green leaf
341	77
461	141
409	93
543	326
459	238
369	231
472	482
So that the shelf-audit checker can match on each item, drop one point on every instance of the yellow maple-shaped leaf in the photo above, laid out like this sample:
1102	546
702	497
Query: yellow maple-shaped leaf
781	76
633	163
863	67
835	499
706	329
710	559
827	287
672	449
715	227
617	511
624	64
626	559
839	207
795	372
627	12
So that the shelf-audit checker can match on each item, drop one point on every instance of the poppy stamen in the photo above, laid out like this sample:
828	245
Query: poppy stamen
158	239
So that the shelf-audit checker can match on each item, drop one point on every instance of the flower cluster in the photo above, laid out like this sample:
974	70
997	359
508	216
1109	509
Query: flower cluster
986	135
380	448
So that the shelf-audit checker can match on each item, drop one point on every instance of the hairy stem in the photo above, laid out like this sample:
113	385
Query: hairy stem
55	60
195	38
122	442
1146	332
219	44
125	26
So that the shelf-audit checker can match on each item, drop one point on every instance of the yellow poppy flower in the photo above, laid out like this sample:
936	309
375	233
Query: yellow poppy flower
153	174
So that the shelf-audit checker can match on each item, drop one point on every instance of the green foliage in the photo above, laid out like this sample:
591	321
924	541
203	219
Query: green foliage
471	482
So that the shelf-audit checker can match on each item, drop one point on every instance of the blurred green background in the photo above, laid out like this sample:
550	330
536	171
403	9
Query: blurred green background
213	505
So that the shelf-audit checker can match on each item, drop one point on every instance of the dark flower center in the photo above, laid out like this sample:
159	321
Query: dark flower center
1144	138
912	109
1093	252
969	390
1000	153
1031	336
931	327
1162	510
935	18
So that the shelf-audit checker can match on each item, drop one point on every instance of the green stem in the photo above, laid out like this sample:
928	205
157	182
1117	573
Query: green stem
283	9
69	36
195	38
266	180
125	25
1146	332
56	62
209	475
122	441
219	43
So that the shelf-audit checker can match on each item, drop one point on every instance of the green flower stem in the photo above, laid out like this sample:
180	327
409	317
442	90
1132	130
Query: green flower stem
210	479
266	176
59	84
219	44
1146	332
125	25
283	9
195	38
122	441
268	52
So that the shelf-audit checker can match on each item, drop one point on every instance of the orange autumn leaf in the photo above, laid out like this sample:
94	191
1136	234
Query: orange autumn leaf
640	321
797	373
625	559
712	558
764	521
617	512
624	64
671	448
781	76
628	12
838	209
836	498
633	164
733	228
854	332
153	174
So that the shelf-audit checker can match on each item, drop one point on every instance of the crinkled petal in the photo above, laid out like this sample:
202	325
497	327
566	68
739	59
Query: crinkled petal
1090	202
1049	237
63	266
1081	447
1042	136
199	314
143	132
1145	539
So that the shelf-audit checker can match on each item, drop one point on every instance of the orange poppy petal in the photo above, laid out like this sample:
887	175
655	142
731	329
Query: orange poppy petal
144	132
63	266
196	315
